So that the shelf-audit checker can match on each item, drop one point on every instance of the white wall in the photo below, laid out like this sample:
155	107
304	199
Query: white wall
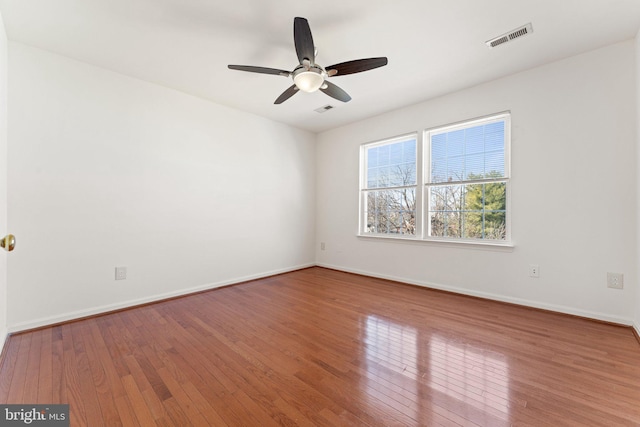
108	171
637	119
573	190
3	181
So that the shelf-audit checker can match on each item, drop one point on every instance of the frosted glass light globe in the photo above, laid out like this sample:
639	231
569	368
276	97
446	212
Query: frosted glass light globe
309	80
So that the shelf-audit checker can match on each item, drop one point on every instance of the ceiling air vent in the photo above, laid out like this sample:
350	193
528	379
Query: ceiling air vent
510	36
323	109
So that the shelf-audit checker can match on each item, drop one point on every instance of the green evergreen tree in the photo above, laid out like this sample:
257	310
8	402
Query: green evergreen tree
485	207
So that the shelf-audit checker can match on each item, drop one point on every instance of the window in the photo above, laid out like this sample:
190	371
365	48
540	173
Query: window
466	186
389	187
464	195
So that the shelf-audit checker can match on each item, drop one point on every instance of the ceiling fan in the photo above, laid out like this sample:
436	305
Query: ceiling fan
309	76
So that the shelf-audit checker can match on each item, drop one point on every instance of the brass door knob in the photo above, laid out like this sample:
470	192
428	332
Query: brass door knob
8	242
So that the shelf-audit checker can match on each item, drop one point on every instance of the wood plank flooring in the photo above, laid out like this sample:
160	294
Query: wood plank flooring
317	347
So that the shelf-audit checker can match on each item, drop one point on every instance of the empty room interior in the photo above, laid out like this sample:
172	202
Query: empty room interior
260	213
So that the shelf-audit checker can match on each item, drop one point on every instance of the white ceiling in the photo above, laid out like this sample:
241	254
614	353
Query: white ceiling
434	46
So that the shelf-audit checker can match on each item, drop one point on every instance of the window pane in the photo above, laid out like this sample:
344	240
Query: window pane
372	177
372	157
453	224
475	152
494	164
402	175
470	211
473	198
383	155
395	154
495	206
495	196
437	224
437	198
391	165
496	226
455	169
439	146
454	197
409	151
383	177
438	171
475	140
494	136
455	143
473	225
474	166
391	211
446	198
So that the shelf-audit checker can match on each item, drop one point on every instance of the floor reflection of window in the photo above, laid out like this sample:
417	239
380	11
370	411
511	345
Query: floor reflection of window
421	374
392	345
469	374
391	352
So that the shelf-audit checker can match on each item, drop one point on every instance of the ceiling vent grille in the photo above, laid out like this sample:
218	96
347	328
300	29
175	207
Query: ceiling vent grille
510	36
324	109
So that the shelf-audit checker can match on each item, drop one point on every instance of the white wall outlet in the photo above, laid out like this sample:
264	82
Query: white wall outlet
121	273
322	246
534	270
615	280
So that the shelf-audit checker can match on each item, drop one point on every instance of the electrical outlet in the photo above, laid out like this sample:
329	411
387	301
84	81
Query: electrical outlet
121	273
534	270
615	280
322	246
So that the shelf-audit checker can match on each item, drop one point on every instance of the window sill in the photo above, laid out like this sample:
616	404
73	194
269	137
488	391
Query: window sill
466	244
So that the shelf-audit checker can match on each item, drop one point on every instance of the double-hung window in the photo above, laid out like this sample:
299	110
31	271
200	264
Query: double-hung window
466	187
389	187
451	184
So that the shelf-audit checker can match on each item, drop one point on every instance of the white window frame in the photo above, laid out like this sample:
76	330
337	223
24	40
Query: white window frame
423	174
426	166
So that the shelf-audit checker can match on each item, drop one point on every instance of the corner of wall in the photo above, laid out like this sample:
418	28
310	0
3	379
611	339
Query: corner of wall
637	81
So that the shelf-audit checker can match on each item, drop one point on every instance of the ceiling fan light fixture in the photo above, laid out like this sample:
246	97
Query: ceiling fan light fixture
309	76
308	80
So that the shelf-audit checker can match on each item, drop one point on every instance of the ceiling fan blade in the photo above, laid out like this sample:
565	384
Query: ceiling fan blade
303	40
287	94
357	66
261	70
335	92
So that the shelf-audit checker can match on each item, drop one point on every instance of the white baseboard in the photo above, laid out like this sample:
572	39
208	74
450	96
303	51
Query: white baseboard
519	301
45	321
52	320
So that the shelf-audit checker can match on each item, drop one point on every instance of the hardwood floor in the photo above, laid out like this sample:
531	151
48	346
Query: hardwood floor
319	347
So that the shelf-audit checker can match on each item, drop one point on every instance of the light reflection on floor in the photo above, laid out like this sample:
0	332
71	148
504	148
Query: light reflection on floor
472	375
391	353
392	345
413	372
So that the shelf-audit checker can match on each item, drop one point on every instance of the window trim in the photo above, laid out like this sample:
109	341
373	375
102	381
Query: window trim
423	166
